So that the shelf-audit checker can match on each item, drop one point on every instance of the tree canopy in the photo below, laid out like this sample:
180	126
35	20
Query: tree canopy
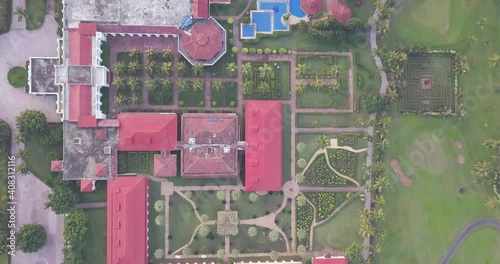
75	228
31	237
62	199
31	123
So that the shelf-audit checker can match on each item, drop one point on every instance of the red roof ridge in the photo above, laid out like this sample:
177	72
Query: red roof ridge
86	186
56	165
100	170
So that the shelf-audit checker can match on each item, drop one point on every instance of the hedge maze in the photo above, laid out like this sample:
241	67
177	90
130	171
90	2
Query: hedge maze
428	84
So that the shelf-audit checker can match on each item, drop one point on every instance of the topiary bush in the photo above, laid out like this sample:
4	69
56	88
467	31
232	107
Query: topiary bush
230	20
244	50
282	51
234	49
18	77
31	237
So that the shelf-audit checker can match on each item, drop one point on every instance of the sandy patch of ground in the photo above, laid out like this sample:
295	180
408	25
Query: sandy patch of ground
461	159
405	180
459	144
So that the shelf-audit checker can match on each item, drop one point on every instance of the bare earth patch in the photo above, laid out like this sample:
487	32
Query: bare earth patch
461	159
405	181
459	144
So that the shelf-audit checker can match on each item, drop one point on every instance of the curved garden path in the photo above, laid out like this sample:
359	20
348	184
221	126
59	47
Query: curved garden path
484	222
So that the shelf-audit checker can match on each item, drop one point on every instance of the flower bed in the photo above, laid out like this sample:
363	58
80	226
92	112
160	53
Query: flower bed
304	221
343	161
320	174
326	203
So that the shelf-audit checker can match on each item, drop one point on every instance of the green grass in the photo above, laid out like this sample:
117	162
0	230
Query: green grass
258	244
233	9
279	81
429	215
4	258
18	77
181	215
105	54
225	96
328	120
284	220
341	230
286	144
39	162
209	244
136	162
324	98
98	195
207	203
156	232
95	251
265	204
6	16
35	14
480	247
190	98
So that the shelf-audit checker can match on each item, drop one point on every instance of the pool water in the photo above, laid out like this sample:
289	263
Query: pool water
248	31
262	20
295	9
279	9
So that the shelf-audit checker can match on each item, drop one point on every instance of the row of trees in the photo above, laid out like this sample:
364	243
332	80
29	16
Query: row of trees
330	29
487	173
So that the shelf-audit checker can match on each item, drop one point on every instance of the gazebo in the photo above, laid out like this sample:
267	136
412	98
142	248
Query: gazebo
341	11
311	7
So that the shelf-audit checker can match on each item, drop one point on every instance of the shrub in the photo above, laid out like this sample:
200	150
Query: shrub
301	146
159	253
236	195
31	237
244	50
374	104
188	194
234	49
187	251
18	77
201	103
274	255
301	163
289	52
160	205
252	50
230	20
232	103
282	51
160	220
214	103
260	51
75	228
31	123
181	103
267	51
274	52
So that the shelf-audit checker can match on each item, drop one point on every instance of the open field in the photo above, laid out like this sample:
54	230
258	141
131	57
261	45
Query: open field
95	251
480	247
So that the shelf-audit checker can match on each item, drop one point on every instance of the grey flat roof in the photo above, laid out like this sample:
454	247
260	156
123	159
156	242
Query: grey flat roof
80	159
43	75
129	12
80	75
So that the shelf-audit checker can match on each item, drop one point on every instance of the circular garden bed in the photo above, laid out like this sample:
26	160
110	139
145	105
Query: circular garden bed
18	77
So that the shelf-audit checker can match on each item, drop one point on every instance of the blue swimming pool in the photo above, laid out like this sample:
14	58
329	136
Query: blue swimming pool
248	31
279	9
295	9
262	21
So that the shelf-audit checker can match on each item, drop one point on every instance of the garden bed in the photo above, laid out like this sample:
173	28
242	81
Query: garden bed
18	77
136	162
324	97
160	65
190	98
265	205
284	220
35	13
319	174
329	119
326	203
278	80
218	70
209	244
162	94
181	215
304	221
318	65
127	58
190	71
224	96
156	232
258	244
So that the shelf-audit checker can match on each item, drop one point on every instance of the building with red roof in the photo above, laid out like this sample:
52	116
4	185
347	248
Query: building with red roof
327	259
200	9
165	165
311	7
204	42
56	165
209	145
127	220
340	11
147	131
263	155
86	186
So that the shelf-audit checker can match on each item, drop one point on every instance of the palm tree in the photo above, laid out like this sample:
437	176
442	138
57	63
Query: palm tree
301	200
490	143
273	235
392	94
119	99
133	52
493	202
481	169
382	28
134	99
166	53
378	214
118	82
300	70
366	230
18	138
263	87
182	84
322	141
380	183
217	85
166	67
151	67
252	232
335	87
334	70
300	177
247	69
378	199
133	82
134	66
165	83
318	83
181	66
197	86
119	67
20	12
150	52
151	84
493	60
197	68
265	71
300	87
247	86
231	68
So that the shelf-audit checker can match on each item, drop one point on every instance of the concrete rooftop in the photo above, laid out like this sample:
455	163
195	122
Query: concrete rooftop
129	12
43	75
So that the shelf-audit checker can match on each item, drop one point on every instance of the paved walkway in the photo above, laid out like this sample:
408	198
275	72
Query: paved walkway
485	222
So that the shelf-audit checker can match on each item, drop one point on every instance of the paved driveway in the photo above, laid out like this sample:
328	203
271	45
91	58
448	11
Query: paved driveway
17	46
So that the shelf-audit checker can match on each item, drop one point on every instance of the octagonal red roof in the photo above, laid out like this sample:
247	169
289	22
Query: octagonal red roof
341	11
204	41
311	7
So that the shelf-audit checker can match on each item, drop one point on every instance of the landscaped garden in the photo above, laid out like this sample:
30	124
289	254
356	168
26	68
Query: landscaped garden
326	203
136	162
128	70
35	13
264	205
305	214
18	77
223	94
156	217
95	251
5	15
181	215
266	80
257	241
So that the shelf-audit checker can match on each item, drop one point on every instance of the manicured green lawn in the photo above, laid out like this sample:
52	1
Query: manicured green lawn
284	220
98	195
429	215
183	221
207	203
265	205
136	162
286	143
156	232
233	9
35	14
258	244
341	230
480	247
95	251
209	244
328	120
226	96
18	77
4	258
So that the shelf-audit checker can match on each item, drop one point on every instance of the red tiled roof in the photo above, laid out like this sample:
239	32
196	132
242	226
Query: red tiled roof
200	8
88	28
126	230
220	1
205	41
108	123
101	134
56	165
80	102
80	48
263	156
86	186
311	7
341	11
87	121
147	131
100	170
330	260
165	165
209	161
